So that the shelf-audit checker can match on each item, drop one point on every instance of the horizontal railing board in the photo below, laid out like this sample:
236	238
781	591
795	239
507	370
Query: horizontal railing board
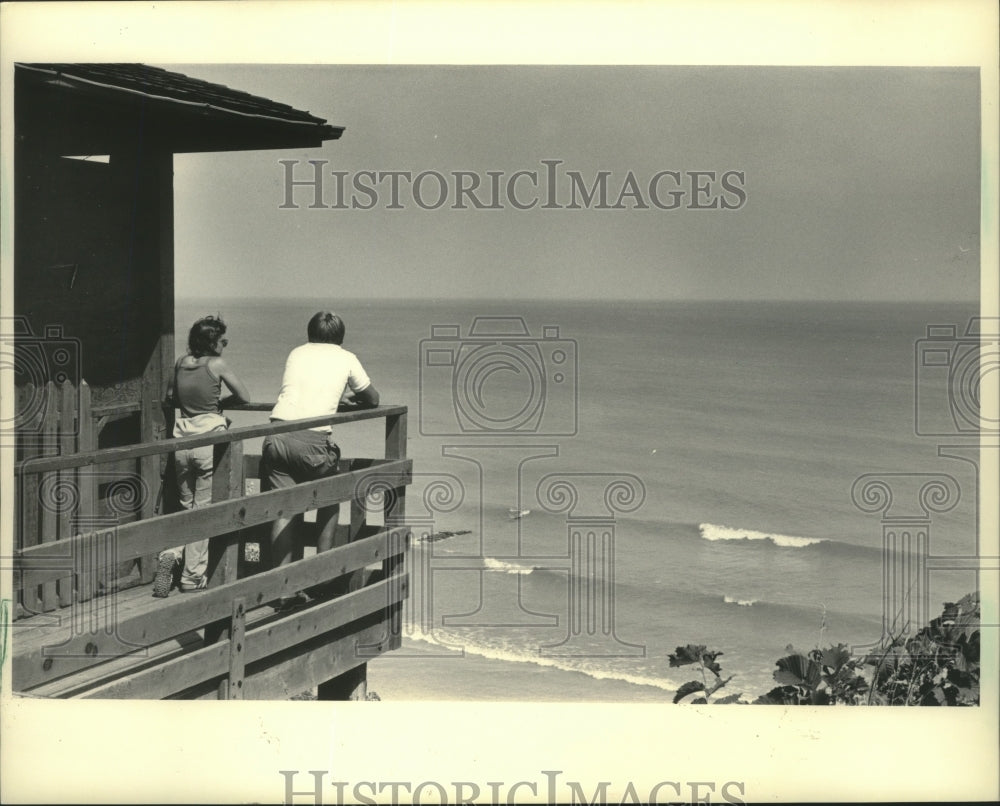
35	663
302	667
104	455
261	642
86	678
48	560
306	665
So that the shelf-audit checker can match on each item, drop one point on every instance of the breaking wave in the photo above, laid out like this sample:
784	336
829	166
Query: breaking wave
711	531
493	564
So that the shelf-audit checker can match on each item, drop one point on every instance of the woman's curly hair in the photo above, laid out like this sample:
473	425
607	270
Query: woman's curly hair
205	336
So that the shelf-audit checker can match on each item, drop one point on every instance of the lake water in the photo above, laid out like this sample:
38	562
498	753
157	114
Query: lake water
685	469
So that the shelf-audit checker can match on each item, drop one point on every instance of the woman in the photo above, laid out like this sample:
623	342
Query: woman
196	390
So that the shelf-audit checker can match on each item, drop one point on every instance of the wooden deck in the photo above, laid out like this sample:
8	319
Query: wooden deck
225	642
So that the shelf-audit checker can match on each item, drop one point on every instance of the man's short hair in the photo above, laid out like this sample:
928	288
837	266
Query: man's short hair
205	335
326	328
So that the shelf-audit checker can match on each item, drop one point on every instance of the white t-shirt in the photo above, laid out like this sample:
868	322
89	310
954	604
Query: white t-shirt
316	375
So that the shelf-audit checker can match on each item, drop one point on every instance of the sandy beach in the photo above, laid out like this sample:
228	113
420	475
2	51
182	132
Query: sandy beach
398	677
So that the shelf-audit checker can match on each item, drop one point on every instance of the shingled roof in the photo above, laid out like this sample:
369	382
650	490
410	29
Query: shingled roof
174	96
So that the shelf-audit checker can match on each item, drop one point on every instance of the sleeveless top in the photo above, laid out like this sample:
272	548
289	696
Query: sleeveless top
196	389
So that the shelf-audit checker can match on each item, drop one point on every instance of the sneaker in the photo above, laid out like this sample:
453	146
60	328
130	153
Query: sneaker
164	579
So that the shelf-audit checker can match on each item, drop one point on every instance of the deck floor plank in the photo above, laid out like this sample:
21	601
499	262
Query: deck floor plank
132	619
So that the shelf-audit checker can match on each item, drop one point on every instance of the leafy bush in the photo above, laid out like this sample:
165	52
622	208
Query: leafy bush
698	653
821	677
939	665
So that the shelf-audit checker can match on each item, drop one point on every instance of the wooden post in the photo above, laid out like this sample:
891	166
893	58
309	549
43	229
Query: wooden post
395	436
256	534
223	550
164	159
395	518
395	448
151	428
162	363
87	486
232	687
356	579
26	530
69	501
351	685
49	492
227	482
355	530
169	496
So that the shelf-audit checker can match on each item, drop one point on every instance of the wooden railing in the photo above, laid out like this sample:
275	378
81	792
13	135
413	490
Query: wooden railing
225	641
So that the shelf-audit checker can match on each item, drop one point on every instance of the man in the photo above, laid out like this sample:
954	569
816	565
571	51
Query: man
317	375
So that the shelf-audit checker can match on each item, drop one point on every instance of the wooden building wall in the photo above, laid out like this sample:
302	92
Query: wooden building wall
93	284
94	249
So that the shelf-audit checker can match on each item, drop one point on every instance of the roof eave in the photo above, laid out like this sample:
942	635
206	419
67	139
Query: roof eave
193	126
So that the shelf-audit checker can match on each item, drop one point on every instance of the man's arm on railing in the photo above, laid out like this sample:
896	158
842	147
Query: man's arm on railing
367	398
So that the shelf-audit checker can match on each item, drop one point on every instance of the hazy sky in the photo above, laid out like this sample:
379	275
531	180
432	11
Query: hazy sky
859	183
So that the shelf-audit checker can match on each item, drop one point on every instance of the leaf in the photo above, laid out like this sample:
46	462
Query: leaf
728	699
968	696
781	695
969	603
684	655
836	656
797	670
708	658
688	688
696	653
